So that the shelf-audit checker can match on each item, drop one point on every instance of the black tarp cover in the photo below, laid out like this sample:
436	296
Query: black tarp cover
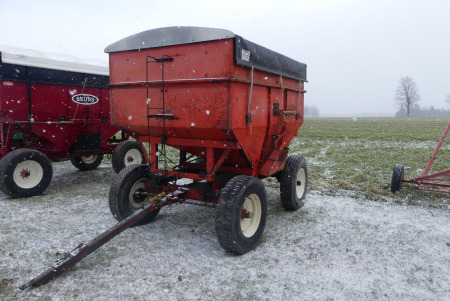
247	53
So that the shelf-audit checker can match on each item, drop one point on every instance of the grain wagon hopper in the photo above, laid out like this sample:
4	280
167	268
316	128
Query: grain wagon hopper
52	107
218	113
229	106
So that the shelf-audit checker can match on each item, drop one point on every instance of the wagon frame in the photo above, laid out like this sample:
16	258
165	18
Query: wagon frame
426	180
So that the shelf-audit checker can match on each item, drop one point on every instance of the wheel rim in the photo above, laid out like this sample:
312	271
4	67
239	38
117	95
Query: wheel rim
135	200
300	183
89	159
28	174
251	215
133	156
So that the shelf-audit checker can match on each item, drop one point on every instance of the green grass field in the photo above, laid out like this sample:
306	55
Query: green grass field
359	155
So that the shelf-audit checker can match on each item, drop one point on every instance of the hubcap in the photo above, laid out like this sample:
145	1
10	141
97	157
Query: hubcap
133	156
89	159
300	183
136	200
28	174
251	215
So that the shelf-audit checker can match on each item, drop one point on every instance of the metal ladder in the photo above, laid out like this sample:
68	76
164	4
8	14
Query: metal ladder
162	109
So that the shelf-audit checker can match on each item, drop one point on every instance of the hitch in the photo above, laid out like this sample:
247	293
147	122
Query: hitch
83	250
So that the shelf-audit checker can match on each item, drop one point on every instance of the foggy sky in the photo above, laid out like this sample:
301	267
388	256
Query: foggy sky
356	50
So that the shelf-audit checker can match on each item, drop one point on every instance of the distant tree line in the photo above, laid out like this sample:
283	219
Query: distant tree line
311	111
417	111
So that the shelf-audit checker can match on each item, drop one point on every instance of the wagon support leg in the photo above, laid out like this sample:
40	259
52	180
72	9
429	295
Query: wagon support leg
7	132
153	155
210	156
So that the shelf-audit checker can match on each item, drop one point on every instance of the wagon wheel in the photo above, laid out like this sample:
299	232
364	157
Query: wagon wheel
397	177
241	214
123	200
24	173
127	153
87	162
294	183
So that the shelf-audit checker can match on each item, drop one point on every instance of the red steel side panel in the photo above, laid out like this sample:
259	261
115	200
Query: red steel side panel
191	61
14	99
199	103
208	96
56	120
200	110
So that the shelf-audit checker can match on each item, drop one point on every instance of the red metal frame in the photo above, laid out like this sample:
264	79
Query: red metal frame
50	122
437	179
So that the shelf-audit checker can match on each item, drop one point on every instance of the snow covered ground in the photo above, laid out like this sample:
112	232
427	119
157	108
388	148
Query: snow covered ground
334	248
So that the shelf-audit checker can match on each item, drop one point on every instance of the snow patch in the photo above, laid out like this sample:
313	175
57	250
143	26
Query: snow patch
337	248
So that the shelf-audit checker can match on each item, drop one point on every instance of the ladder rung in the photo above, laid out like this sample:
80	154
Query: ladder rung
164	116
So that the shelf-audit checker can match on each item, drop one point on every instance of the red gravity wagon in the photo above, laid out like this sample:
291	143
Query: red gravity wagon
52	107
228	108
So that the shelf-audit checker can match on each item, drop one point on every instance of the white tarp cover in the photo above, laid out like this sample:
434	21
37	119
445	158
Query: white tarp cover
34	58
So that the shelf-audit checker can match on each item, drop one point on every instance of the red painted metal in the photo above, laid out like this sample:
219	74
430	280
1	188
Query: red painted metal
437	179
56	121
207	97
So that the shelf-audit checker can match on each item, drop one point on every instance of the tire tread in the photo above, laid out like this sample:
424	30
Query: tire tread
287	185
225	227
9	162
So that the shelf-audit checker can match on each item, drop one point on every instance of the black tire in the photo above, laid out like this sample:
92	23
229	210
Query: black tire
127	153
122	203
241	195
87	162
397	177
24	173
294	183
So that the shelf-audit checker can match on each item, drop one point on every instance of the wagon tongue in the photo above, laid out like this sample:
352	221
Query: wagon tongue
84	250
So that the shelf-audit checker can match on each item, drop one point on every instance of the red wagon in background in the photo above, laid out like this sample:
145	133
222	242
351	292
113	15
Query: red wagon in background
52	107
228	106
437	181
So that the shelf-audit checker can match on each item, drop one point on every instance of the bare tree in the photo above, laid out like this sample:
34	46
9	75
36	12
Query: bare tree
407	94
447	99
